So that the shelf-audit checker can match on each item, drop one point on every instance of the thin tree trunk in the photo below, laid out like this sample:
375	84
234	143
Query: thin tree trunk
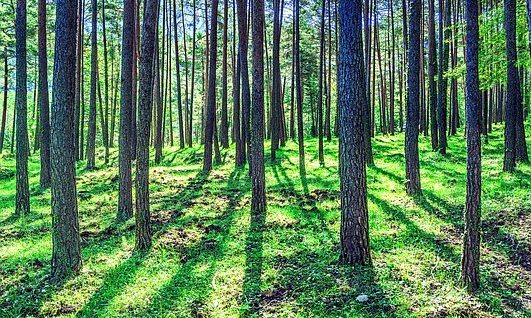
91	137
44	110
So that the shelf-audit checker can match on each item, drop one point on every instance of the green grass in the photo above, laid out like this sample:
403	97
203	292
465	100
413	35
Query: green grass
210	258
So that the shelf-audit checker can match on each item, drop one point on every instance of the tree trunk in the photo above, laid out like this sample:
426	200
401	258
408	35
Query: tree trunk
258	203
66	251
243	37
442	80
91	134
178	73
513	98
22	205
321	87
277	84
471	241
300	123
412	120
224	111
210	118
149	36
432	72
354	214
44	133
4	105
125	196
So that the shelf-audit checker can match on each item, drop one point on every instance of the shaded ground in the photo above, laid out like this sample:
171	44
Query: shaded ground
211	258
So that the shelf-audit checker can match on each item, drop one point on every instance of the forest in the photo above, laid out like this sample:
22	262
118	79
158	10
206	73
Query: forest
265	158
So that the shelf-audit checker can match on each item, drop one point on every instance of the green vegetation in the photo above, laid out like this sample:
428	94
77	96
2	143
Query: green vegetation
210	259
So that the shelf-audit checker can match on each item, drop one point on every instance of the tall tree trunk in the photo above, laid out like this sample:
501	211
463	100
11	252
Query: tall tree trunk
392	72
105	128
78	145
210	118
321	86
44	133
298	75
149	29
432	72
442	80
22	205
354	215
91	135
243	37
277	81
192	83
4	104
125	196
224	91
258	202
471	241
412	120
178	73
66	251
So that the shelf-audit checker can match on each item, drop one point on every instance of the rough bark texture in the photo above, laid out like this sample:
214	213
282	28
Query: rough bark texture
125	195
44	110
432	72
277	85
22	205
243	49
91	134
298	83
471	241
442	81
224	136
149	27
352	97
258	203
513	82
412	117
4	104
210	118
66	251
178	74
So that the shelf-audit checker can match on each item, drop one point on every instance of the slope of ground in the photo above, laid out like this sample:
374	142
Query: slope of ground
210	258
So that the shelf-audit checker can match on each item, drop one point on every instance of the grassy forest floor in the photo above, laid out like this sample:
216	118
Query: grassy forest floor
210	258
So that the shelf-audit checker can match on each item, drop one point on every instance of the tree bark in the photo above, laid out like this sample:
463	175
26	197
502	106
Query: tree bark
44	118
66	251
142	216
471	241
412	121
91	134
22	205
258	202
4	105
432	72
352	97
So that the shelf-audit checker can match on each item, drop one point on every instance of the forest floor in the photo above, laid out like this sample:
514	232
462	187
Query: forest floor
211	259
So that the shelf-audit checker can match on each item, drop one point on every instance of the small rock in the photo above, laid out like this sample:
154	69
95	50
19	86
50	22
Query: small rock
362	298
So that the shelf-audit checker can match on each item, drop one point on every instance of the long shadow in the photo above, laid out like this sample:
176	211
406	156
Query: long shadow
413	234
253	265
208	248
124	274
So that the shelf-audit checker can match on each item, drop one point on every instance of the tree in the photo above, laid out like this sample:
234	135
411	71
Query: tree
178	71
352	97
432	71
66	251
412	121
224	111
91	134
442	80
243	49
22	205
211	99
277	85
258	204
78	131
298	83
44	111
149	28
471	241
513	81
125	196
321	88
4	103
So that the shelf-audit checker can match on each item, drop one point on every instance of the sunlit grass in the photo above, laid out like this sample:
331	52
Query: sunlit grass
210	258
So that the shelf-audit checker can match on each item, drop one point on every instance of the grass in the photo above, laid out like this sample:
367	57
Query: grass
210	258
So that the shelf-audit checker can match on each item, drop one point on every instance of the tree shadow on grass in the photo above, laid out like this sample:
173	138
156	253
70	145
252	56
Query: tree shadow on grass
187	285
